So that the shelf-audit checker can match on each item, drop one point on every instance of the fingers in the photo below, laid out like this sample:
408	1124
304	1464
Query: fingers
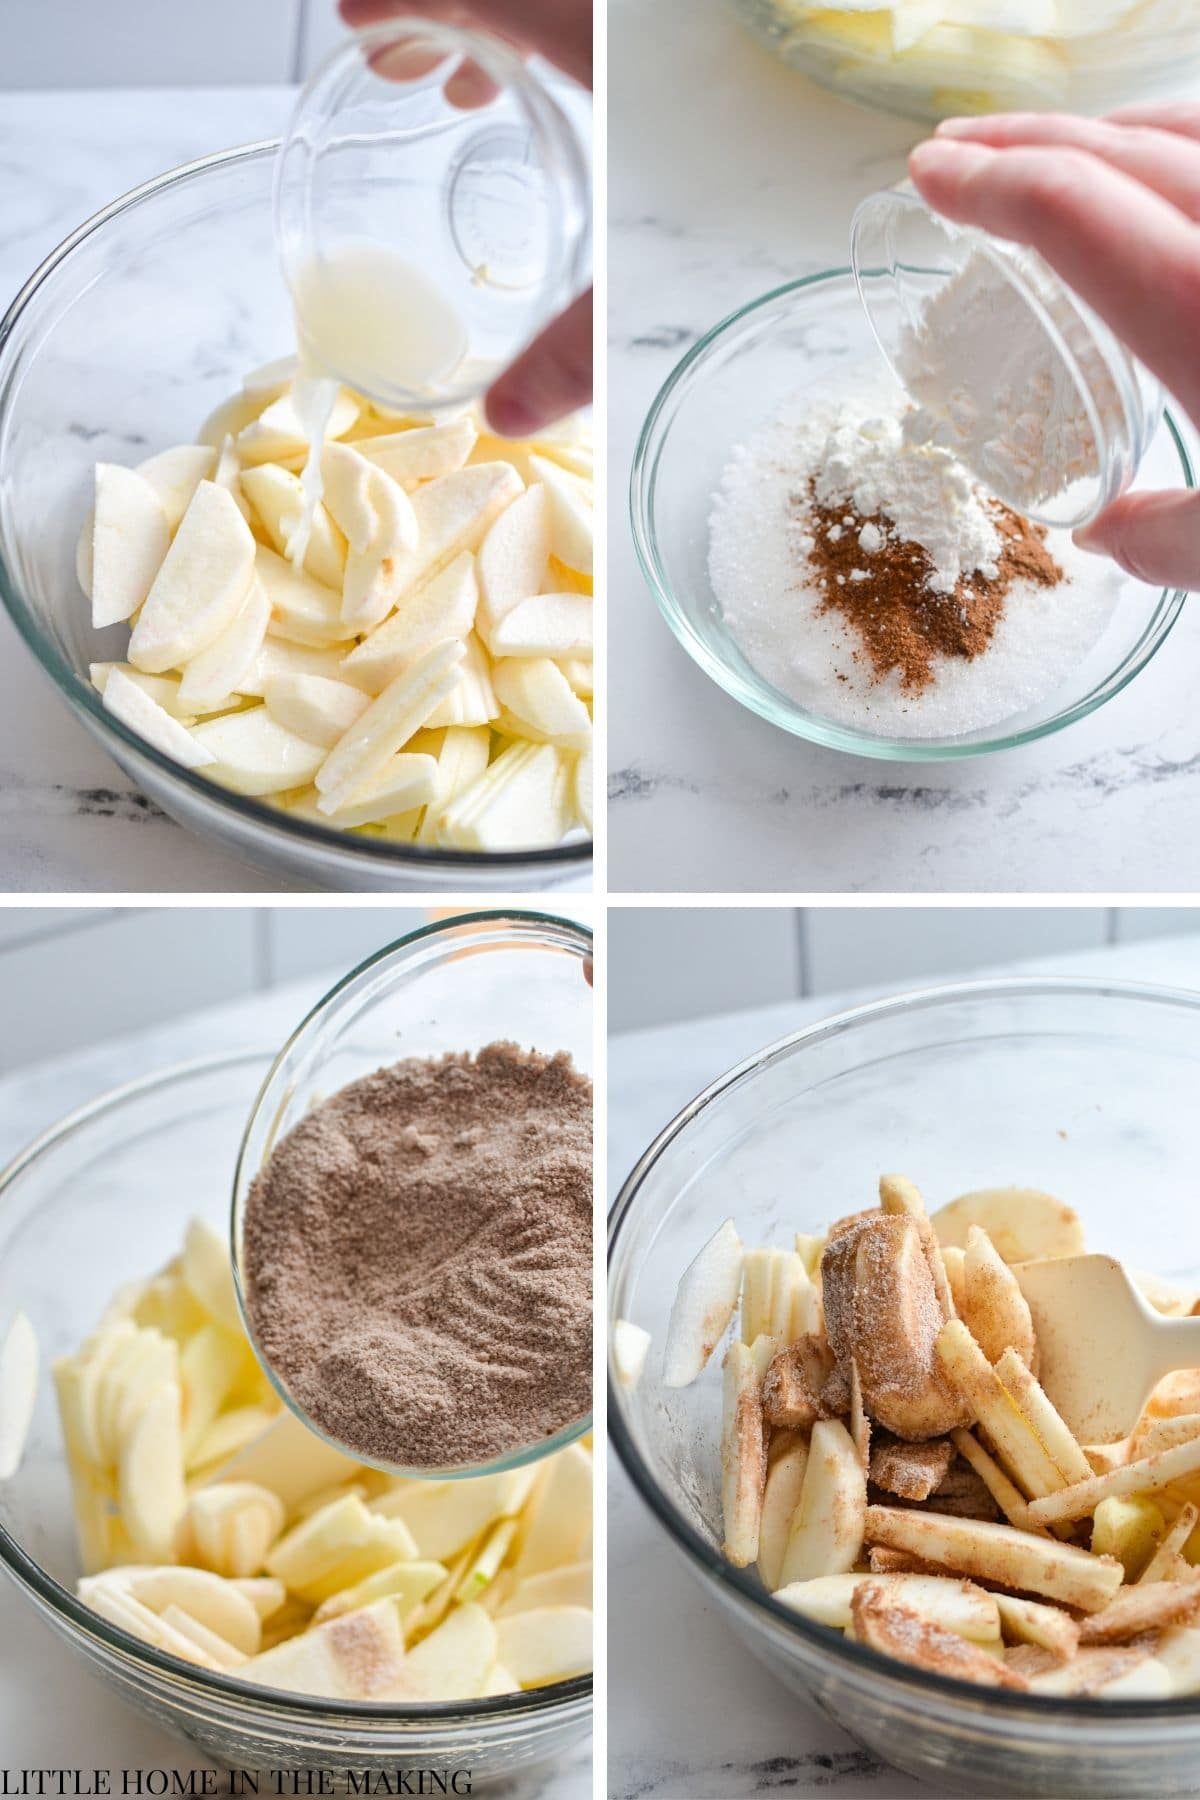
1161	160
1155	537
1127	252
549	379
560	30
1183	118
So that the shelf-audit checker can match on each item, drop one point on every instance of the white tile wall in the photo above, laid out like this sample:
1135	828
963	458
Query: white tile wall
671	963
150	43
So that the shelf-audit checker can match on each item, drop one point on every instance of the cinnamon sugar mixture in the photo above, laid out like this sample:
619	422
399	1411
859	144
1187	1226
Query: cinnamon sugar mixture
417	1254
884	593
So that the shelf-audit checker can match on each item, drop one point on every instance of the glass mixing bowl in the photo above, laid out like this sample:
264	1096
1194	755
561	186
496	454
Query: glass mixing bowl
932	69
459	985
119	345
797	337
104	1197
1086	1089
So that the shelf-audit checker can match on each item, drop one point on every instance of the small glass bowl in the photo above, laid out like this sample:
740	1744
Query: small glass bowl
127	336
799	336
903	255
491	202
103	1197
1083	1088
454	986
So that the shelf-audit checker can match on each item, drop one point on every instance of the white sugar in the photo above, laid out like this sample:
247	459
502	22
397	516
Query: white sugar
759	566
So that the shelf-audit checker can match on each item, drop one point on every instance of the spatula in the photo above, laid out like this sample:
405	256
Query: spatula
1101	1346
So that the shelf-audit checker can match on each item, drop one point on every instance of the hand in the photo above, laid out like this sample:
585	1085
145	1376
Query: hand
1114	206
553	375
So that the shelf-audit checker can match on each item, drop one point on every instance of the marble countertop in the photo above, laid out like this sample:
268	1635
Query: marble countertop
53	1711
690	1715
728	174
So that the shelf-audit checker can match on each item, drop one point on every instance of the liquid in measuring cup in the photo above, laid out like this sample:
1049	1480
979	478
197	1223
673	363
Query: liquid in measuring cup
365	308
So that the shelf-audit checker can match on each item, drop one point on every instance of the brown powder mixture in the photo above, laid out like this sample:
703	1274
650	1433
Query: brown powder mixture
417	1254
900	621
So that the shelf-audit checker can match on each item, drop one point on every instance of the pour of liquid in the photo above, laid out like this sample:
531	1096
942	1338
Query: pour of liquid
367	311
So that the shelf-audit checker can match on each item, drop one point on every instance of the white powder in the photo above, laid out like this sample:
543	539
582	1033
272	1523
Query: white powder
926	494
770	600
992	388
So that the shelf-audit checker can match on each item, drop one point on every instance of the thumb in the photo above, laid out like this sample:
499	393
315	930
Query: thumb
1155	537
549	379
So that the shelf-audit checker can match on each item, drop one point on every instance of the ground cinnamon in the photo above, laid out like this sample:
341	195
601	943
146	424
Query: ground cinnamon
884	595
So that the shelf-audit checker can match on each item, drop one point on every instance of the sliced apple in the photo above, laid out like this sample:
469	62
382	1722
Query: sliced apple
462	754
582	788
279	432
999	1553
513	557
472	700
223	1654
288	1458
446	1516
230	1526
280	656
200	587
994	1308
827	1529
150	1476
130	538
215	676
303	610
571	1584
777	1296
278	500
555	625
386	726
408	782
539	697
130	703
454	1661
175	475
570	514
704	1304
405	1584
452	515
338	1547
544	1644
630	1347
944	1600
207	1272
358	1656
254	754
316	709
423	453
781	1497
556	1522
1032	1622
440	611
1023	1223
743	1454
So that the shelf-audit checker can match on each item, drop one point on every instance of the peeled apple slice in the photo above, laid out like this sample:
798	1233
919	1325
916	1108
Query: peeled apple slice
583	789
18	1393
222	1654
134	707
513	557
407	781
200	587
386	726
570	512
254	754
540	698
514	805
444	1517
176	474
442	610
569	1585
218	1605
781	1498
828	1527
288	1459
278	431
630	1347
150	1476
278	499
453	1662
216	674
405	1584
371	509
303	610
422	454
557	1520
704	1304
554	625
130	538
279	656
316	709
207	1273
230	1527
472	699
357	1657
452	515
462	758
337	1547
548	1643
1023	1223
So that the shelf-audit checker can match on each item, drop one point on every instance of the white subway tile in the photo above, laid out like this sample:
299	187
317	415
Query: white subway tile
854	947
149	43
685	962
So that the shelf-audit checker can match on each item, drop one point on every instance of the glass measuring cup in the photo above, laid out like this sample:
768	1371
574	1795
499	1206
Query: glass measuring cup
452	986
424	243
904	256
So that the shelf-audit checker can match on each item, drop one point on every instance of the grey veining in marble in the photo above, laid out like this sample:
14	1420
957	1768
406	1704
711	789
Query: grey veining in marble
53	1711
729	173
691	1716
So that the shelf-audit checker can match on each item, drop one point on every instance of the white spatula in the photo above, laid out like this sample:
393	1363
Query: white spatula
1101	1345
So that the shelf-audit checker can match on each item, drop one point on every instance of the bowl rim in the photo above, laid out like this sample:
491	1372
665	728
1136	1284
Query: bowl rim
277	1084
756	697
30	1575
858	1660
265	820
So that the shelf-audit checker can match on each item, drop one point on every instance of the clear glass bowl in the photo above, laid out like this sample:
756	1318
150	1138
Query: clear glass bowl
796	337
458	985
958	70
1085	1089
101	1198
495	196
904	255
120	344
